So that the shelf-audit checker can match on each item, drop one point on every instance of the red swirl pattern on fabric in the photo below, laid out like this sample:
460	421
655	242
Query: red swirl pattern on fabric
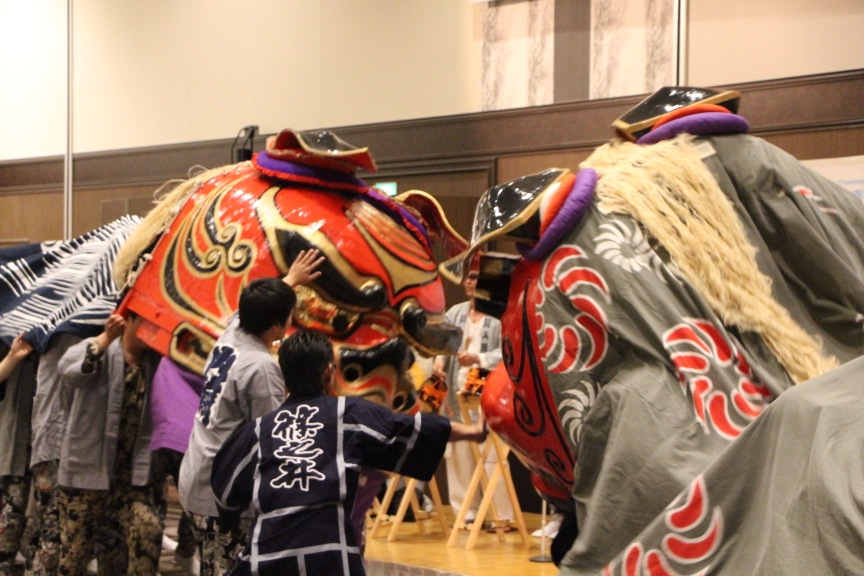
698	350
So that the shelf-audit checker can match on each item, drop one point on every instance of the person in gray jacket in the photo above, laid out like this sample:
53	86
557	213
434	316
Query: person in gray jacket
17	379
51	404
242	381
104	469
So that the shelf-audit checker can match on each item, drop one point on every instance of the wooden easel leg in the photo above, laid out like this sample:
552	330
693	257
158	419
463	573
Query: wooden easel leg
439	505
484	508
503	451
385	505
479	471
396	521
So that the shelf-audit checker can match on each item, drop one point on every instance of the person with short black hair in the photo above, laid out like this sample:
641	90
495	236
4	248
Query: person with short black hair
265	303
305	358
242	381
299	465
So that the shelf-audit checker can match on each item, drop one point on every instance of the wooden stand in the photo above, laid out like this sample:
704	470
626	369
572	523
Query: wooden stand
487	504
409	498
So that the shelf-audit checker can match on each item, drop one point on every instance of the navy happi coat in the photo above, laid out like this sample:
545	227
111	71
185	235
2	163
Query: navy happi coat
299	466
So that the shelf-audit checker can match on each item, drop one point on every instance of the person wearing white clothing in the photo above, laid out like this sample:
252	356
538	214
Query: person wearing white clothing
481	347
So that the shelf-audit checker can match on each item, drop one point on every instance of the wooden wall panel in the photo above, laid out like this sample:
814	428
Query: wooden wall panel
94	207
811	117
33	217
512	167
804	145
812	144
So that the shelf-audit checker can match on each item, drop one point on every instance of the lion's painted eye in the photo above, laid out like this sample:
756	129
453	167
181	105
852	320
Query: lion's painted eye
399	401
352	372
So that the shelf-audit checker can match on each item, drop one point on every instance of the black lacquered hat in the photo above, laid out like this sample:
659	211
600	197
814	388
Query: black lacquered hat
638	120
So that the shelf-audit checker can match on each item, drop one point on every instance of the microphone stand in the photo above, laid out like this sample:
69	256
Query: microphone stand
542	557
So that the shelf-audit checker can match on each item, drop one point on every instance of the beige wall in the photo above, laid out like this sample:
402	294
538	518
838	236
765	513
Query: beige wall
151	72
32	78
744	40
156	72
385	60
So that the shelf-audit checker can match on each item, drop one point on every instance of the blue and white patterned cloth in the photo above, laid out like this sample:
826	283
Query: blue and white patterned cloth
63	286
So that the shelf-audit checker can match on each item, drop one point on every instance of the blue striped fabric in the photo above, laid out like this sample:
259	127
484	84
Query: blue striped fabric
63	286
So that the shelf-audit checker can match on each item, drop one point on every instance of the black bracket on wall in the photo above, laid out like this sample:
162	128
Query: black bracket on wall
241	149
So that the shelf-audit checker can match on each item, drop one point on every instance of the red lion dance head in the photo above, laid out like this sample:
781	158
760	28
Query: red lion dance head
379	292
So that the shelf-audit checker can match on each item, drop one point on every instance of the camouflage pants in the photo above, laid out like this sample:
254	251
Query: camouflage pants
85	518
13	509
219	546
43	531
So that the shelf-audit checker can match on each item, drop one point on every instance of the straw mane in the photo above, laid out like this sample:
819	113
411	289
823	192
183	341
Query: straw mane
157	222
669	190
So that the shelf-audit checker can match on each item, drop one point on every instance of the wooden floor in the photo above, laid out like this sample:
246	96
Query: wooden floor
416	554
411	552
489	557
